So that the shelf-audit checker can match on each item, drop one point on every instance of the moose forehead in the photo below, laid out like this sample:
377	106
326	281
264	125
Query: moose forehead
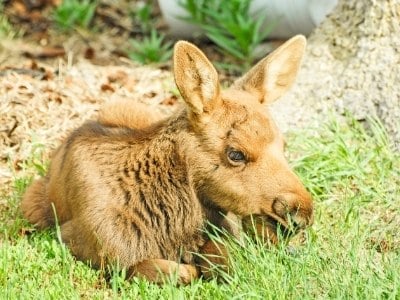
248	125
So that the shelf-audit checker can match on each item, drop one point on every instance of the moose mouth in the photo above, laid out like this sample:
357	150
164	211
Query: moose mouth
269	228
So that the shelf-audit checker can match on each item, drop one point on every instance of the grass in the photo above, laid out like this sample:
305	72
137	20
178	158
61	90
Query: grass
6	29
230	25
142	15
151	49
351	252
74	13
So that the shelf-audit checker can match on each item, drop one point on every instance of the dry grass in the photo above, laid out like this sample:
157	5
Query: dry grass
40	104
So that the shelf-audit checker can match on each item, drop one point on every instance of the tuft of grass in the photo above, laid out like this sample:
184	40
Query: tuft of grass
142	15
351	252
74	13
152	49
229	25
6	29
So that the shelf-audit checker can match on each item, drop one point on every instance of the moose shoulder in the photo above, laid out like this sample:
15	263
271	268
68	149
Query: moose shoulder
141	194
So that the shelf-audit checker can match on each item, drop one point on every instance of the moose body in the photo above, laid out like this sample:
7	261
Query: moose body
142	194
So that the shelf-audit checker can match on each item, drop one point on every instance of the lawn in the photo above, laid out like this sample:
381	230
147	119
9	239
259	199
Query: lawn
351	252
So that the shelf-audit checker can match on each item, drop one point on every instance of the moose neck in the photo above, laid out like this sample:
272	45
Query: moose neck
183	146
170	157
162	161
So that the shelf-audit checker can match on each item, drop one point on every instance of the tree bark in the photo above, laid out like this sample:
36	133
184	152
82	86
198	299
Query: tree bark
352	64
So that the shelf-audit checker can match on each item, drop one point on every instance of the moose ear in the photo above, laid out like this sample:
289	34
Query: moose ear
270	78
196	78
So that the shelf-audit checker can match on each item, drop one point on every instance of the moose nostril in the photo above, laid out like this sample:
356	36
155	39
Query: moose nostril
282	208
292	208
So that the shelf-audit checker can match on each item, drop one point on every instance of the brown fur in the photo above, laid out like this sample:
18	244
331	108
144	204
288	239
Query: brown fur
142	193
127	113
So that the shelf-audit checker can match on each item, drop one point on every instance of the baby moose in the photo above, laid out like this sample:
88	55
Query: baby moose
142	195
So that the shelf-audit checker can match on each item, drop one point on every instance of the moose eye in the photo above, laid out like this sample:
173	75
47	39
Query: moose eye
236	156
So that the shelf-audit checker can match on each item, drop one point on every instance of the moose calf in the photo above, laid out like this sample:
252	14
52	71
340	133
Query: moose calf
142	194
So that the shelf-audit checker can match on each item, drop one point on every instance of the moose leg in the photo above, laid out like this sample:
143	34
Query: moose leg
157	270
213	256
36	206
82	245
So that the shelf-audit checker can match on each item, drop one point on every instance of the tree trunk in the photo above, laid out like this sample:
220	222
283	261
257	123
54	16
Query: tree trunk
352	64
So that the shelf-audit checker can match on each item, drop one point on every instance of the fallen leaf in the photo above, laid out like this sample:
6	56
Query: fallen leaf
89	53
169	101
118	76
106	87
48	52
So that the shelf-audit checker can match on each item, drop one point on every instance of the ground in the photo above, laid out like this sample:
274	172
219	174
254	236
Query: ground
41	104
50	82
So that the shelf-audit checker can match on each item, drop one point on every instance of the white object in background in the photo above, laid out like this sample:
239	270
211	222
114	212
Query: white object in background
291	16
172	12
